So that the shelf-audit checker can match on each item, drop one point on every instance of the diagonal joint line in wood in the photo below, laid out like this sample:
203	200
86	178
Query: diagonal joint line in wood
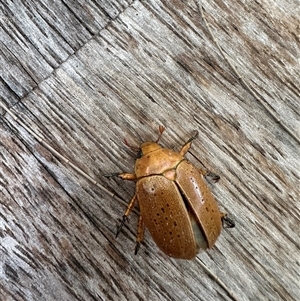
42	141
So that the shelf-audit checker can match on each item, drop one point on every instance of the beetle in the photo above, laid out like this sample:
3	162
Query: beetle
176	205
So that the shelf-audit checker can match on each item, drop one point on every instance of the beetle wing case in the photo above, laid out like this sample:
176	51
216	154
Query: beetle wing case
169	224
200	200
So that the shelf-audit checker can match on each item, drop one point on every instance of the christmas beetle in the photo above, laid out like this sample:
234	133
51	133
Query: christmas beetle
176	205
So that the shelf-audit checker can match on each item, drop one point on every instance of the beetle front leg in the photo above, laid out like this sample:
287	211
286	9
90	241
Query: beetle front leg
140	234
127	176
123	176
125	216
188	144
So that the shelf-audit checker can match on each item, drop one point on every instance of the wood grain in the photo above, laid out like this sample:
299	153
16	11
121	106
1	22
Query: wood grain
88	75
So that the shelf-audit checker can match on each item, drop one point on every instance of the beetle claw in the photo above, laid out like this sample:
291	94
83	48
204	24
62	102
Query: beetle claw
125	219
137	247
227	222
110	175
195	135
161	130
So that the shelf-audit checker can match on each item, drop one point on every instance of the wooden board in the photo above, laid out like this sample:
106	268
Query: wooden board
88	75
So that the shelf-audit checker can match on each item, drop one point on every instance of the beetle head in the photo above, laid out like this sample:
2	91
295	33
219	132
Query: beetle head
148	147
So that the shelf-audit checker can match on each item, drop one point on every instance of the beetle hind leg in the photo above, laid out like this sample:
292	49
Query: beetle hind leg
140	234
125	216
226	221
211	176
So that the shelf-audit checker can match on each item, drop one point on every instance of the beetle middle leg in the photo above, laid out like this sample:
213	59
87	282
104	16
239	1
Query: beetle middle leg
129	177
207	174
226	221
125	216
140	234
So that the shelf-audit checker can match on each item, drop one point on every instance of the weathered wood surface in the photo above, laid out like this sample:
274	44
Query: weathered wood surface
86	76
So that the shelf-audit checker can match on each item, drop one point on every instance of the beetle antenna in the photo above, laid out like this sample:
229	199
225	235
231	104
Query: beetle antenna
161	130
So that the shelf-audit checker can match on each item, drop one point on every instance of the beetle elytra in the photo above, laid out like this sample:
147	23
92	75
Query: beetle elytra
176	205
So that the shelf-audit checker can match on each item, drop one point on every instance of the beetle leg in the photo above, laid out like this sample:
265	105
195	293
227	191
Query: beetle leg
161	130
226	221
211	176
110	175
140	234
127	176
125	216
123	176
188	144
125	219
208	175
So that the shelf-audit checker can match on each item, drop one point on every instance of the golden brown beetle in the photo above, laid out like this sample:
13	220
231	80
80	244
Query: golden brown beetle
175	203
